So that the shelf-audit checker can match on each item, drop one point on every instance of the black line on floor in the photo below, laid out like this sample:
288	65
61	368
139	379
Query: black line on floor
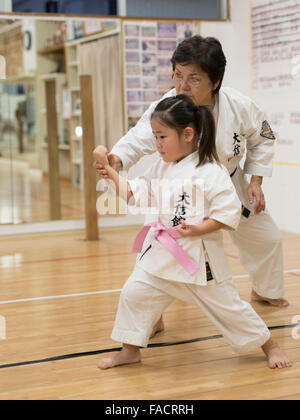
151	345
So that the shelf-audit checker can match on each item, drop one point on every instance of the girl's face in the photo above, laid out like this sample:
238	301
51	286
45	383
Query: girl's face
190	80
172	146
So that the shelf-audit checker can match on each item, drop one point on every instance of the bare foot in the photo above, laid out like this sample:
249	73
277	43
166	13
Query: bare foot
129	354
276	357
158	327
273	302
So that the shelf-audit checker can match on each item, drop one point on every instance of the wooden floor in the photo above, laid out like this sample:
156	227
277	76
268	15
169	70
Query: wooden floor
59	295
24	195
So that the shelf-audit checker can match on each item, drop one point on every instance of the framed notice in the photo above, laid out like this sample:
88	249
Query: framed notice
147	48
275	28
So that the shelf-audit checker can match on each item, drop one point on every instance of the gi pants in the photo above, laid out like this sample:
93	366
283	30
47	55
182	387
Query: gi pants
259	245
260	251
144	297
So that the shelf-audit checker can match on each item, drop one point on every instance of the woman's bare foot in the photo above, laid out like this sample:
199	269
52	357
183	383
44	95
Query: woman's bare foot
276	357
129	354
274	302
159	326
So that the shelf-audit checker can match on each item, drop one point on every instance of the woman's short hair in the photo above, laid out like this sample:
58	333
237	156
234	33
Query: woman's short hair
205	53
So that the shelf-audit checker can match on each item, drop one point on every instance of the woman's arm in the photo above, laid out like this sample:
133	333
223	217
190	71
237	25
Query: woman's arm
260	153
139	140
136	143
121	184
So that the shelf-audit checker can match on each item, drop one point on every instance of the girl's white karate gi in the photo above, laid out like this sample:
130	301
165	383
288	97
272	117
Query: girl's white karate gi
241	127
197	193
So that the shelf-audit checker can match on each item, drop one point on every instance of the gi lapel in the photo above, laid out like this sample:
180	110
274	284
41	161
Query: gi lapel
221	127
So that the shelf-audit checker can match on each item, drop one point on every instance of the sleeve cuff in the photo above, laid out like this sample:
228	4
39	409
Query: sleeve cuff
252	169
125	161
230	222
141	196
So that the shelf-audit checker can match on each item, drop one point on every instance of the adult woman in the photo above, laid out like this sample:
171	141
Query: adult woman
198	70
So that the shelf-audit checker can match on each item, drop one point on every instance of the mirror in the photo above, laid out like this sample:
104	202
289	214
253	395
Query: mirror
18	155
38	49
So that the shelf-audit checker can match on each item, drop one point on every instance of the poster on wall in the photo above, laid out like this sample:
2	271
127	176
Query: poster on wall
148	47
276	70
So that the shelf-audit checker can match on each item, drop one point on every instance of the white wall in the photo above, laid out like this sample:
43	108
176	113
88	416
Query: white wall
276	86
282	189
6	6
234	36
29	56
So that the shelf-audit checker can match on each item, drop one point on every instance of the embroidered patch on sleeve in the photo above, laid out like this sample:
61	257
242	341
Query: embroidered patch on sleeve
266	131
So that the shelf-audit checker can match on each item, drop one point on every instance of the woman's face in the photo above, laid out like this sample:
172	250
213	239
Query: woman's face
190	80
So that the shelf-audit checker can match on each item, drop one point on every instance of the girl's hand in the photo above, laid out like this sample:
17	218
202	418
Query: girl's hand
113	160
187	230
100	154
102	162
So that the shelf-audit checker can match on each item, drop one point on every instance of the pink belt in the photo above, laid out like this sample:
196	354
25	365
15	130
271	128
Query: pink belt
167	237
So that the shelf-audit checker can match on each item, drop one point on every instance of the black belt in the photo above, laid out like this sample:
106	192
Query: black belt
233	172
245	212
209	275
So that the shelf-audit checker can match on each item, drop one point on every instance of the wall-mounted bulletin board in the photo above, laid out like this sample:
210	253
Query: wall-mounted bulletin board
276	70
147	49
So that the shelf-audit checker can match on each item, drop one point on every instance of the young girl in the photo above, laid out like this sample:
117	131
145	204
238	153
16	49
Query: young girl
183	256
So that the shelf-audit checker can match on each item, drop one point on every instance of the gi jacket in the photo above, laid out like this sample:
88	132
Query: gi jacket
241	128
181	190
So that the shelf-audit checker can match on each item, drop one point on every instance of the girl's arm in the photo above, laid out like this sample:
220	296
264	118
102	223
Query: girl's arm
224	205
122	186
208	226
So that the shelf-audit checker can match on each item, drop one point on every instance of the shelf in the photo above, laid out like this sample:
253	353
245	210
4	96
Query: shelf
50	76
73	64
57	49
75	88
93	37
22	78
10	27
65	147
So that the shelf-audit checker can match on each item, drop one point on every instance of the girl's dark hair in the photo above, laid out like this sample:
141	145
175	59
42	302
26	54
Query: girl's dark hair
179	112
205	53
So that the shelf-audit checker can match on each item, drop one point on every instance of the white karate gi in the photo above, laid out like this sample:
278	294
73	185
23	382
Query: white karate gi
241	127
158	278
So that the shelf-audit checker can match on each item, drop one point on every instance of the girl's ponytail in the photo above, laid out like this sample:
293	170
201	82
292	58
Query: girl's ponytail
207	135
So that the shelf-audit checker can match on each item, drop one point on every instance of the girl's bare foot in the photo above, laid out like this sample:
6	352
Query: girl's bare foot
159	326
129	354
274	302
276	357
